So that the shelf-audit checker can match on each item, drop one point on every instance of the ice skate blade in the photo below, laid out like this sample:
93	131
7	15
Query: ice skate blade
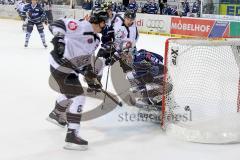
72	146
54	122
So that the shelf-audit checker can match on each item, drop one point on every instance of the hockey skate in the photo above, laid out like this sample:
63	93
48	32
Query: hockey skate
26	44
74	142
57	118
45	45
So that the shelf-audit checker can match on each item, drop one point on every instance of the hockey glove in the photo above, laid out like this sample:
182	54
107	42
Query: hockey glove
106	51
91	78
94	84
113	59
58	51
44	19
90	74
46	22
59	45
103	53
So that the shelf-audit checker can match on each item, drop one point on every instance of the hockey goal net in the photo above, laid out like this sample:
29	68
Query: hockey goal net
204	103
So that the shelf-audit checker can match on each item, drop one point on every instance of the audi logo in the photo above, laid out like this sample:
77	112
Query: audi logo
154	23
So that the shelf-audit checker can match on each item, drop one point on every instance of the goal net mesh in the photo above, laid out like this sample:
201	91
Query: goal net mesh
203	105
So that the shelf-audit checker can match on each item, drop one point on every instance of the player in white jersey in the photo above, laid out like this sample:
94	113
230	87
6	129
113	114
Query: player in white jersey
106	39
20	5
124	34
125	37
108	31
22	14
121	32
144	69
74	44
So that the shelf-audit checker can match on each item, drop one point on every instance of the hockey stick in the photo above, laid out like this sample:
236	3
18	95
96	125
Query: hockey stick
96	81
104	99
109	96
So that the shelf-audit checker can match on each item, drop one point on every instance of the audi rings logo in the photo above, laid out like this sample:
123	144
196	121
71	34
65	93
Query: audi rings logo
155	23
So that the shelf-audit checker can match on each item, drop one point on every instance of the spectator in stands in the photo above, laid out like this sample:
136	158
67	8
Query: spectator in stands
196	8
152	7
208	7
183	8
97	4
170	10
114	7
11	2
161	5
7	2
87	4
133	5
120	7
144	9
141	4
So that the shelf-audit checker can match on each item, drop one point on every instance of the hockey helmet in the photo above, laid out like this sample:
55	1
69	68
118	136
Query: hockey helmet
130	14
98	16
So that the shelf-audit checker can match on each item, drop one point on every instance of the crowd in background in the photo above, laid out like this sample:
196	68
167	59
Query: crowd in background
7	2
184	8
151	7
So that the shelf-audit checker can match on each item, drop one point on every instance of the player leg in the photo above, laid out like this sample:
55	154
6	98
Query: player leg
24	25
28	34
74	115
40	29
69	85
58	115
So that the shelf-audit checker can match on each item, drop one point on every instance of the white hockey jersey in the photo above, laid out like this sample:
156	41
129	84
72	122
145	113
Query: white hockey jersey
124	34
20	5
80	42
110	20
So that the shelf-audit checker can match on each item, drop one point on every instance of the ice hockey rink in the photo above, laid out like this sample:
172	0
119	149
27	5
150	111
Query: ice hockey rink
26	101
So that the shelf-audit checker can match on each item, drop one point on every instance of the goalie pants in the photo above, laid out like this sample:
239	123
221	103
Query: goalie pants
71	98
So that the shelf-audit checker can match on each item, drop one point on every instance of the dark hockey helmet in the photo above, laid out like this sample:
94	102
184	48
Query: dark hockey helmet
98	16
130	14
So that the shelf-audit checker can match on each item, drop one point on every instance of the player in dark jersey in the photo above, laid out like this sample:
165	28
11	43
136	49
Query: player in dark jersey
35	16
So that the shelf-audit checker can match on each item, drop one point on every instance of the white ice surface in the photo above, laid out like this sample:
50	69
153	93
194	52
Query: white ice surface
26	101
